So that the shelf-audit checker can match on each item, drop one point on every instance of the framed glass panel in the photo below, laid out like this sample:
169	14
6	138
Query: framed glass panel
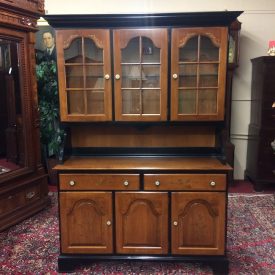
131	53
95	102
187	102
207	101
74	76
75	102
150	75
92	53
208	51
73	54
208	75
151	101
188	75
189	51
150	53
131	101
94	76
131	76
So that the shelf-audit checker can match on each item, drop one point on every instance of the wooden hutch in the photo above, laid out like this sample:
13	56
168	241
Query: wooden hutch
143	99
23	187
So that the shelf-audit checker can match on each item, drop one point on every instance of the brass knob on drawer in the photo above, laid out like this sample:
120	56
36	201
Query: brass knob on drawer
126	183
108	223
107	76
157	183
72	182
212	183
175	76
175	223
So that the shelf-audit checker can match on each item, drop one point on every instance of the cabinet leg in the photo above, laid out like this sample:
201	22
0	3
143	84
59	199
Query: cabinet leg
221	267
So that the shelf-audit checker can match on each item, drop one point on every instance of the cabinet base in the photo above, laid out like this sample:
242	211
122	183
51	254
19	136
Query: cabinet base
67	263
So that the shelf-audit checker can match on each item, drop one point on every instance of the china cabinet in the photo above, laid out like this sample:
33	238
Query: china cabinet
143	98
23	181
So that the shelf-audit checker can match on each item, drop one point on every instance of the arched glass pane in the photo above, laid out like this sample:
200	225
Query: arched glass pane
208	51
92	53
189	52
131	53
73	54
150	53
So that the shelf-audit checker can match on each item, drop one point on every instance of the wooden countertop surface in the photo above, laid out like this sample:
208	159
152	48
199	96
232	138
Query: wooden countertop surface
143	163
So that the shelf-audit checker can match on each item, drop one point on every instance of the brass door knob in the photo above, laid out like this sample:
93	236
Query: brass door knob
107	76
72	183
126	183
117	76
175	76
108	223
175	223
212	183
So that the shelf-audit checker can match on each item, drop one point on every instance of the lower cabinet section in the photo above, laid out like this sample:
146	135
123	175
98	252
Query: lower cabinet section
86	222
198	222
127	222
141	222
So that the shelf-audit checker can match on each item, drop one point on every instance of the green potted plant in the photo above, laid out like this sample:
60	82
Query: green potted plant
52	134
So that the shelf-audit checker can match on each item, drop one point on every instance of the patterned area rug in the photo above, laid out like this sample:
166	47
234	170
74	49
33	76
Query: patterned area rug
32	246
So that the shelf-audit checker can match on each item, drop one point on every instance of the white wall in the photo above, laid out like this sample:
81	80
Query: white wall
258	27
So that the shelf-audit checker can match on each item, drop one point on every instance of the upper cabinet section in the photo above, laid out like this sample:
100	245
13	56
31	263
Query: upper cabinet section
84	75
140	68
198	73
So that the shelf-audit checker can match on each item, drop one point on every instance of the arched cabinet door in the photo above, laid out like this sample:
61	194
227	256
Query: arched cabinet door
140	74
198	71
86	222
198	223
84	71
141	223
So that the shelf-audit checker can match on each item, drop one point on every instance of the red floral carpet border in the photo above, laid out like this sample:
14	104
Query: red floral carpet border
32	246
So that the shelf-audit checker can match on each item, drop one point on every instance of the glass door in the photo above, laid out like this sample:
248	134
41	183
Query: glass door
84	70
140	69
198	73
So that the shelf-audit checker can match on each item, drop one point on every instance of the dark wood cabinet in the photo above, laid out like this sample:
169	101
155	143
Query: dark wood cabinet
260	155
158	157
23	181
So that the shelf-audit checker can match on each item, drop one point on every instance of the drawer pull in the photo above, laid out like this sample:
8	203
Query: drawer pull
108	223
72	182
157	183
175	223
175	76
126	183
30	195
212	183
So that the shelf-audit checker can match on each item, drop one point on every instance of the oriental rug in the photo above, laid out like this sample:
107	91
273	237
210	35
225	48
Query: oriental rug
32	247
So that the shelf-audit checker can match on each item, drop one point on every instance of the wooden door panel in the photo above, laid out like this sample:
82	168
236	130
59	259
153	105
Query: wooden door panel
198	222
142	222
86	222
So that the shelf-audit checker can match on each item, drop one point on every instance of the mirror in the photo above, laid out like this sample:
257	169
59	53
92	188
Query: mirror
11	119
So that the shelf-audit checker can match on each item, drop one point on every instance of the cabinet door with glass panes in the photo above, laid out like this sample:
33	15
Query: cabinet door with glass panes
140	74
198	73
84	71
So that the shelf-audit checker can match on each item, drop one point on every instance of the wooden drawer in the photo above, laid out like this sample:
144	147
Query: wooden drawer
216	182
99	181
18	198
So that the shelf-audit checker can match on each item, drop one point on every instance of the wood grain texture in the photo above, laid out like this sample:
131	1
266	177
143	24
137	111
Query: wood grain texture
147	163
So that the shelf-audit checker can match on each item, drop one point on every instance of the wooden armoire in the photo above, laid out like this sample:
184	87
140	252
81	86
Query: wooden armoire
23	181
260	163
143	99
